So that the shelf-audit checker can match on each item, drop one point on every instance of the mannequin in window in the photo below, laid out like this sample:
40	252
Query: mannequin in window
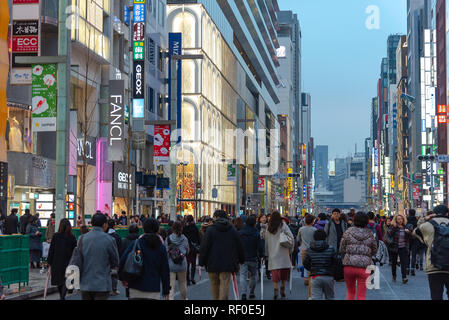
15	136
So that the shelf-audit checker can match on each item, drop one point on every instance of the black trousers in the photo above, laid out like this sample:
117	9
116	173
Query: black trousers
191	268
437	282
403	254
62	289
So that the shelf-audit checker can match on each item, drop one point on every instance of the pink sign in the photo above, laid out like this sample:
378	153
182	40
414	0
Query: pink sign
261	183
24	1
161	150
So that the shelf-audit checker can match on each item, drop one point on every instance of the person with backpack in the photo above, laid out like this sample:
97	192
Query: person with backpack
252	244
156	273
178	247
400	236
433	230
320	261
222	253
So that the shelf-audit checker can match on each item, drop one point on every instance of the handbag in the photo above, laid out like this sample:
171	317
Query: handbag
45	249
285	239
133	267
77	257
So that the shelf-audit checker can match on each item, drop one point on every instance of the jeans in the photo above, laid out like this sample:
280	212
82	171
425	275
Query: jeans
219	284
437	282
322	285
403	257
182	283
94	295
355	279
251	268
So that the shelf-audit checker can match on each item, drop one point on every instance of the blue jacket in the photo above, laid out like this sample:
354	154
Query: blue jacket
252	244
156	269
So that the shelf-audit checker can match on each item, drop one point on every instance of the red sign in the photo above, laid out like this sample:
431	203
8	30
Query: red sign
261	183
442	119
25	44
442	109
24	1
415	192
139	31
161	150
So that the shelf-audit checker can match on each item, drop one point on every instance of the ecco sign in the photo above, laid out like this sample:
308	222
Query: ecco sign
139	80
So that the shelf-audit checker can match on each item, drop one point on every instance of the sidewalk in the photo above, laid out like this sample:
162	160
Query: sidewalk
35	288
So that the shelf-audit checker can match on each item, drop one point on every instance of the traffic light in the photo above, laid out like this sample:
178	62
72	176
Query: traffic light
427	158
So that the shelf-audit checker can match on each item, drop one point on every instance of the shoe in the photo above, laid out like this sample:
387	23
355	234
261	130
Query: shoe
404	281
275	294
243	296
283	293
412	272
193	282
115	293
252	296
394	278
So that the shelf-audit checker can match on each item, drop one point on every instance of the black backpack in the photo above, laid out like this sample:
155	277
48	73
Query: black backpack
174	252
440	247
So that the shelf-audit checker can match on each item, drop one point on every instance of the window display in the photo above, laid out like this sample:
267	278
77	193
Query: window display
18	131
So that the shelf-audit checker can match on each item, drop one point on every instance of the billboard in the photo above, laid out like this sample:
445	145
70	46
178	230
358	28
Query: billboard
161	148
116	132
175	48
44	97
332	168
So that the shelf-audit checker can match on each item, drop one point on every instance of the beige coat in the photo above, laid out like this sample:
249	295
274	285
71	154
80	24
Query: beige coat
428	233
278	256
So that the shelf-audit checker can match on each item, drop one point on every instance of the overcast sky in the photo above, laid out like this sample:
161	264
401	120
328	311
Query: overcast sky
341	61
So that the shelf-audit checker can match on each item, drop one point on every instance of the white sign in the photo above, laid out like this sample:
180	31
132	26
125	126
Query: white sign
20	76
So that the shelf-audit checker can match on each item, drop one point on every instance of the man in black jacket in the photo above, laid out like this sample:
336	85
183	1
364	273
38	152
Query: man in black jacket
118	241
12	223
320	261
193	235
252	244
23	221
221	252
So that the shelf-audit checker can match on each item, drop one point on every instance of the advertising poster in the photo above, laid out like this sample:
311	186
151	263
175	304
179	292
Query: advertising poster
231	172
44	97
161	150
261	184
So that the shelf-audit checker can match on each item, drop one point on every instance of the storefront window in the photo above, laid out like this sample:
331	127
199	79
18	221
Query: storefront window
18	131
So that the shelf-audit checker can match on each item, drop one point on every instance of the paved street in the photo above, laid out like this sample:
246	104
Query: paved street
416	289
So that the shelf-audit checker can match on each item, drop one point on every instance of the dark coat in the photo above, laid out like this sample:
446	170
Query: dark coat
192	234
320	259
61	249
118	241
252	244
23	223
130	238
221	248
156	269
35	241
12	224
393	232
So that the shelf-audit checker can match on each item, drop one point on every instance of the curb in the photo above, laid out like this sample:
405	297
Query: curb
33	294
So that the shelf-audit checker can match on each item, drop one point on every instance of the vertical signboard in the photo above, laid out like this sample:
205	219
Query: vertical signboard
290	180
161	149
139	60
231	172
44	95
4	66
175	48
116	132
25	37
261	184
139	89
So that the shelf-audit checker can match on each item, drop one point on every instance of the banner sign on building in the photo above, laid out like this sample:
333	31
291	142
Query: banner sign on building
161	149
139	12
139	31
231	172
175	48
290	180
25	38
3	181
415	192
261	184
44	97
89	150
116	112
138	79
124	179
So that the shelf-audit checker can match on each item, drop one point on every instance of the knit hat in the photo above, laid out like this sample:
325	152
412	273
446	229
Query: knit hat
441	210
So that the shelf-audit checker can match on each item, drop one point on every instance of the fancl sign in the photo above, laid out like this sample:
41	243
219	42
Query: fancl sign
116	120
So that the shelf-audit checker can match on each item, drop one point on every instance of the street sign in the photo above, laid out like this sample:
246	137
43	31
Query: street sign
281	176
443	158
214	193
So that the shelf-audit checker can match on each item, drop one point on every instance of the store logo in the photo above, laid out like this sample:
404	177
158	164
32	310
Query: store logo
39	163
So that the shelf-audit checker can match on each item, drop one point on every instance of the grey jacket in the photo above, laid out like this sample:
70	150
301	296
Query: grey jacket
278	256
331	232
100	255
183	244
305	236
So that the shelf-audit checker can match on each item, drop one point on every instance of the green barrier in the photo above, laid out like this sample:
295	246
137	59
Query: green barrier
15	259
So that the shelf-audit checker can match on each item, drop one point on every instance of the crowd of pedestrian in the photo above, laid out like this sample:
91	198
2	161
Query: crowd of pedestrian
339	247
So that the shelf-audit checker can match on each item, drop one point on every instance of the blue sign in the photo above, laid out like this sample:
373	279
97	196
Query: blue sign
175	48
139	12
138	108
304	191
127	15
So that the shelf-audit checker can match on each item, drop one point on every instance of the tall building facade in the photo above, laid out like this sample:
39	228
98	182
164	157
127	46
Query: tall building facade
321	158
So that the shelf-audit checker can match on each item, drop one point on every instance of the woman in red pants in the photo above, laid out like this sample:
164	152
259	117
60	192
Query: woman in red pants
358	247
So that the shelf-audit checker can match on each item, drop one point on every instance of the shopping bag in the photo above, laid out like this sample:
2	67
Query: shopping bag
235	287
45	249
